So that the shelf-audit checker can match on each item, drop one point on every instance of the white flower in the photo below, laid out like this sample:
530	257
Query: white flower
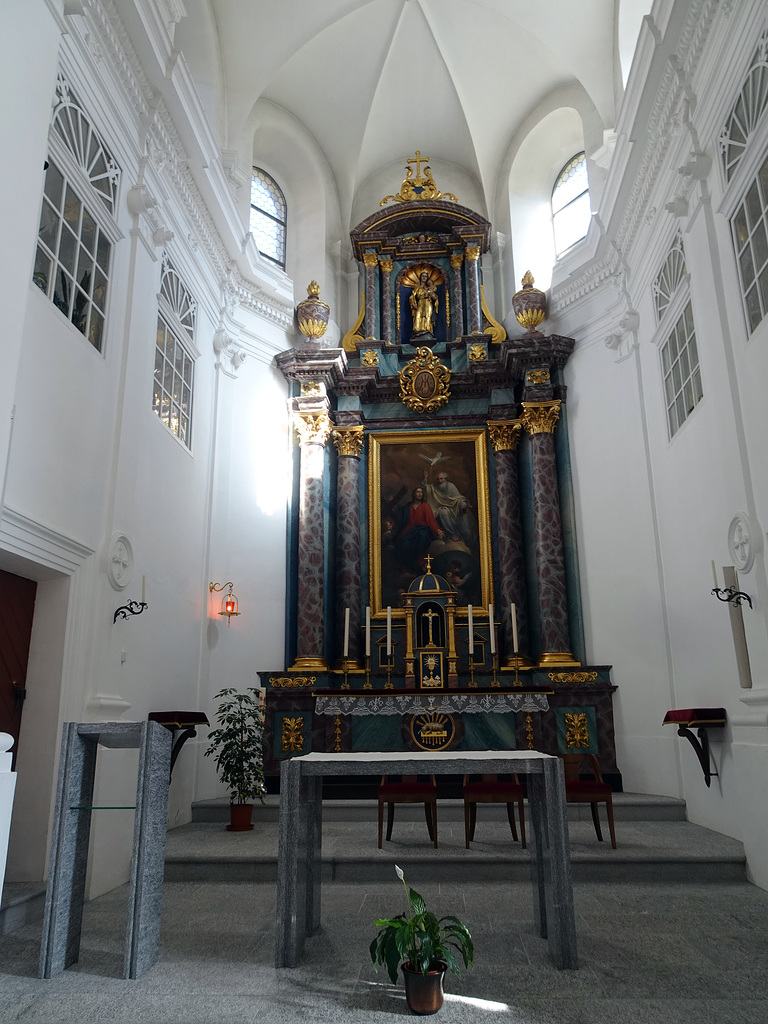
399	872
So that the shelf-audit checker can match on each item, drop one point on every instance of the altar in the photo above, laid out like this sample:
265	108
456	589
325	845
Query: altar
433	598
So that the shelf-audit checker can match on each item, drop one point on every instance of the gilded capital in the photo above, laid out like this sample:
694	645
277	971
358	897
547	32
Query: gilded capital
505	434
312	428
370	259
473	252
386	266
349	440
457	258
540	417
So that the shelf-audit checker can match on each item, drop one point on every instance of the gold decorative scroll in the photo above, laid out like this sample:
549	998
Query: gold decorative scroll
476	353
424	382
420	187
312	428
349	339
291	734
573	677
495	329
291	682
369	358
540	417
349	440
537	377
576	729
505	434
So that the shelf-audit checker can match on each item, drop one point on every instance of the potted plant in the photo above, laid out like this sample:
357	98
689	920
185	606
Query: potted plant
236	747
427	948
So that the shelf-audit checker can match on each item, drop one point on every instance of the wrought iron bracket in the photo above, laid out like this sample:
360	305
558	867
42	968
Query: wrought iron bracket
737	596
701	746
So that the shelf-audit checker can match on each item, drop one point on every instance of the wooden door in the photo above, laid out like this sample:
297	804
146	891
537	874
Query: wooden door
17	606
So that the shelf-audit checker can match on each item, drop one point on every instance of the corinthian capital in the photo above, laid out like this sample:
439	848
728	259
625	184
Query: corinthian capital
312	428
505	434
540	417
370	259
349	440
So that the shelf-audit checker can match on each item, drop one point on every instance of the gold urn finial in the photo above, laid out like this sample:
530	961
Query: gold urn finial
529	304
312	314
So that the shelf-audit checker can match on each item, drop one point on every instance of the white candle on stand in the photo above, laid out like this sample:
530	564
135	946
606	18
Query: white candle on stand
470	627
389	630
492	630
513	617
714	574
346	632
367	632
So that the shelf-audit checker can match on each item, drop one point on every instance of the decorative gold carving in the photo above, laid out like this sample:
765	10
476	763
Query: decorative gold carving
576	729
337	735
505	434
433	730
537	377
370	259
349	339
411	276
421	187
496	331
424	382
312	428
477	353
472	252
386	265
349	440
311	387
457	258
291	682
291	734
573	677
420	240
370	357
540	417
529	729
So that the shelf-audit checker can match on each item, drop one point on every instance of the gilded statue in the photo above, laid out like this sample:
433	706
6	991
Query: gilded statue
424	304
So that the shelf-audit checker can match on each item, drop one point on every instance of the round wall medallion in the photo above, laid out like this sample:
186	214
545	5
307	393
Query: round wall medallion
119	561
432	730
742	541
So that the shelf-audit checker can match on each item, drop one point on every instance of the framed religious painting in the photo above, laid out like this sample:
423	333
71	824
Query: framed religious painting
428	495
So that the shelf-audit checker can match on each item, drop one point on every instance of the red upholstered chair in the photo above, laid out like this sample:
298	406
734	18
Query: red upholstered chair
591	791
409	791
492	790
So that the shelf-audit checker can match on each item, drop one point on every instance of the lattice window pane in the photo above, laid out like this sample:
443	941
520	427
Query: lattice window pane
268	216
72	124
747	111
680	366
670	277
571	208
749	226
173	380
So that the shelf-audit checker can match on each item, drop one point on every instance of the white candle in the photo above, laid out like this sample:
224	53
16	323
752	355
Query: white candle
389	630
513	617
144	587
492	630
470	627
346	632
367	632
714	574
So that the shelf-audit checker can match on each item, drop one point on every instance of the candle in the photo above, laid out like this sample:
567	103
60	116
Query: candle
389	630
470	627
367	632
513	617
714	574
492	630
346	632
144	587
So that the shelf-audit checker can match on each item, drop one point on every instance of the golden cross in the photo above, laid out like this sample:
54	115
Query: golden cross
429	615
418	160
429	563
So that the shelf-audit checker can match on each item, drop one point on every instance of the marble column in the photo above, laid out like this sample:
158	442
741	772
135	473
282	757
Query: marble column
349	443
539	420
473	282
457	260
313	430
505	437
371	261
386	300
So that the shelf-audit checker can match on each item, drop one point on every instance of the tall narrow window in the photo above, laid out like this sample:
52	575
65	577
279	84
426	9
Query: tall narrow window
747	111
570	204
72	263
749	225
174	355
268	216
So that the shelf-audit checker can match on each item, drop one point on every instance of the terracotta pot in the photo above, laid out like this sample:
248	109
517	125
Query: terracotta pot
424	992
240	818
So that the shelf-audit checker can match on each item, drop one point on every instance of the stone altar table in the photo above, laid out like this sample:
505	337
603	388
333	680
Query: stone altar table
300	836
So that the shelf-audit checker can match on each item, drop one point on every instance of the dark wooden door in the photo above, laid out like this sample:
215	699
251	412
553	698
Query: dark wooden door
17	606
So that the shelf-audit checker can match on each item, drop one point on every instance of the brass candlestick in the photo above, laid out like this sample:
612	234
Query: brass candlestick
345	684
367	684
494	662
390	660
472	683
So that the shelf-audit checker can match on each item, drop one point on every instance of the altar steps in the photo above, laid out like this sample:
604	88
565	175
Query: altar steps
655	843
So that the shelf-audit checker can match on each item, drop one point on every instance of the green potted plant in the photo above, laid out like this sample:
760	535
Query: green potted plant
236	747
425	947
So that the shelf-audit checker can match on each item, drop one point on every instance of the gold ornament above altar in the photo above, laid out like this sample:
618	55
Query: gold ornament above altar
312	314
424	382
422	186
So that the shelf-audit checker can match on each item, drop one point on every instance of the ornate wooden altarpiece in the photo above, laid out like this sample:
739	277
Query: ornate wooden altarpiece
432	487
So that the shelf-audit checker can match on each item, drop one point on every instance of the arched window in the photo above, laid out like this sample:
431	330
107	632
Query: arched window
268	216
570	204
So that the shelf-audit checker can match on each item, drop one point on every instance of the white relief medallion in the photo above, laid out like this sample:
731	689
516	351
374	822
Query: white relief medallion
741	541
119	561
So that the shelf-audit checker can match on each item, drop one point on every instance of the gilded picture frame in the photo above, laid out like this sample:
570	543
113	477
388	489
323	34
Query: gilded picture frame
451	469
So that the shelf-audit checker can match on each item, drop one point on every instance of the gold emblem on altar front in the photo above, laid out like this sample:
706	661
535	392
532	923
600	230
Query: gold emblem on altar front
422	186
476	353
370	357
291	682
576	730
292	738
424	382
573	677
432	730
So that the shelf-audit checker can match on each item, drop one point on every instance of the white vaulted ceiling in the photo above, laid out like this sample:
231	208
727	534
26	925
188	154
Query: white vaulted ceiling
372	81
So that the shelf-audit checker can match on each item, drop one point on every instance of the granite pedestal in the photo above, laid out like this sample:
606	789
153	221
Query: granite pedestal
69	845
300	836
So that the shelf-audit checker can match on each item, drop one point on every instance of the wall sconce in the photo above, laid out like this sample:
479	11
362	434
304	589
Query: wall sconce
229	604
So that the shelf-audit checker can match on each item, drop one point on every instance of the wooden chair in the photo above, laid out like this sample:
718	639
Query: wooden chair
590	791
492	790
408	791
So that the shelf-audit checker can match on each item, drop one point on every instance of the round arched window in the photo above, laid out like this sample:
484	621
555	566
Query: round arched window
570	204
268	216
